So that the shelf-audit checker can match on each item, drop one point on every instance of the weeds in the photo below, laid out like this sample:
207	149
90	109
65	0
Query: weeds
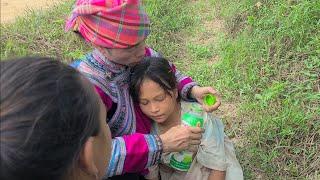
265	62
274	51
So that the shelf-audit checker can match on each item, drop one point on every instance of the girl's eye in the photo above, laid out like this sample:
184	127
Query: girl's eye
143	103
160	98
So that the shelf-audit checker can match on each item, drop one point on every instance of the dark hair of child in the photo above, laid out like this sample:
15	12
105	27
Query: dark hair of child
156	69
47	114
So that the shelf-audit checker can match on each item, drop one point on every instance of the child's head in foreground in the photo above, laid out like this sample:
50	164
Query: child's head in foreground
52	122
154	86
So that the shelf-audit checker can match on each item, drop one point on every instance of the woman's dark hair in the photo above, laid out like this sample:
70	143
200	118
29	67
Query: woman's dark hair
47	112
156	69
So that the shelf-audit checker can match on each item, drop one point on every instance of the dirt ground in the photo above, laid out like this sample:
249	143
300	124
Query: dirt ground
10	9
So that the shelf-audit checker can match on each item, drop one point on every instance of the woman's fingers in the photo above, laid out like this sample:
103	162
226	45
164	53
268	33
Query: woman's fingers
212	108
212	91
201	92
181	138
194	136
196	130
195	142
195	133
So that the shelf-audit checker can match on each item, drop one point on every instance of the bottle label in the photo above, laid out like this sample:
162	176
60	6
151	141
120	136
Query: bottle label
192	116
181	160
192	120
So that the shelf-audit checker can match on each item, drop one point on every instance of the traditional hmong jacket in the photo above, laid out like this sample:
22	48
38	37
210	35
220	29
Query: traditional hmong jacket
134	149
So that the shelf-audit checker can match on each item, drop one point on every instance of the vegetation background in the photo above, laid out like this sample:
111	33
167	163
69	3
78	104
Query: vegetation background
262	56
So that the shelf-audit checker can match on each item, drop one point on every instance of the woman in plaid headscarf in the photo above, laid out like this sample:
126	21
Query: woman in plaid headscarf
117	30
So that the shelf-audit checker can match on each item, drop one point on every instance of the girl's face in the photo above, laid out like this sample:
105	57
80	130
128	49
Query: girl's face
155	102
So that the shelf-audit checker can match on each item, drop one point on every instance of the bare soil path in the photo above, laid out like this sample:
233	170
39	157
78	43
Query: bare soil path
10	9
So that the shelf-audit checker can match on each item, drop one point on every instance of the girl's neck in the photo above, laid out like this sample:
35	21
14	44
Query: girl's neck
173	120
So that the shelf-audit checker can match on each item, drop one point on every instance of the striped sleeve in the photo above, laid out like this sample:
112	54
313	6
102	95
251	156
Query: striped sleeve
134	153
154	143
118	155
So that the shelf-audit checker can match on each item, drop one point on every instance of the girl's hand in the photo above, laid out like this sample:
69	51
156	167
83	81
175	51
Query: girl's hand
181	138
199	93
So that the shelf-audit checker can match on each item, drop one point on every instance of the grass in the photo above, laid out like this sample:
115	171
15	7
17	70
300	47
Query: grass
41	33
262	56
271	56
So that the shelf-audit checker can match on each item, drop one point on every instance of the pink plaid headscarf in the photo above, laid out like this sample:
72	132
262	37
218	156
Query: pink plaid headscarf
110	23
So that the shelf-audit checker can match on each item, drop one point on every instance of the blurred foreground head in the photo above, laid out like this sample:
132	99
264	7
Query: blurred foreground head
52	123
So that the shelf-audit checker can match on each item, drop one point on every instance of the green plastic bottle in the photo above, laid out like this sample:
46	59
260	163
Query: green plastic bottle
194	118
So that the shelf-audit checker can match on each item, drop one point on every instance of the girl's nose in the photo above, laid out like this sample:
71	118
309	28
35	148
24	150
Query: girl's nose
154	108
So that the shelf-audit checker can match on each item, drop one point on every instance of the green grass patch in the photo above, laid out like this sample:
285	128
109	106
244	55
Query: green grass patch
266	61
270	57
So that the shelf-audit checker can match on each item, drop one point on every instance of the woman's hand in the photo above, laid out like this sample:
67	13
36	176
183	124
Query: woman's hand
199	93
181	138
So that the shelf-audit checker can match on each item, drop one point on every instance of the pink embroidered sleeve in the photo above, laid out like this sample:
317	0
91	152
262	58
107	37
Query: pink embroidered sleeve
136	152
